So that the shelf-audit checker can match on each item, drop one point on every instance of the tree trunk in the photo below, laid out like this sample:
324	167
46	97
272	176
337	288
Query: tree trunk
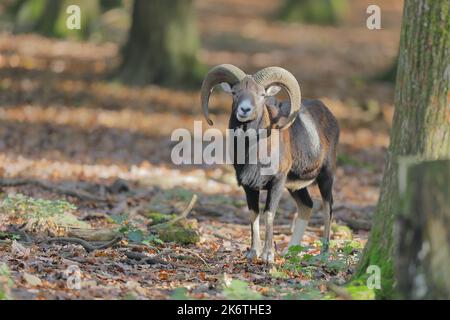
423	254
47	20
162	44
421	125
48	17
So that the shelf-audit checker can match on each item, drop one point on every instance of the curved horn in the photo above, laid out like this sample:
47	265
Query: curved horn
279	76
221	73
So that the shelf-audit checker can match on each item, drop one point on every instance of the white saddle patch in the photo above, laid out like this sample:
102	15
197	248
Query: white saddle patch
310	126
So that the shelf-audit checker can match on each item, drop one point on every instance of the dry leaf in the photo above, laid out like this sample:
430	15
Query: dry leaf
32	280
19	250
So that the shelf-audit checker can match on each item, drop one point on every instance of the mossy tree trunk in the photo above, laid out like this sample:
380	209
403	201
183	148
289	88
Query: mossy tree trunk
47	20
162	44
421	125
423	253
325	12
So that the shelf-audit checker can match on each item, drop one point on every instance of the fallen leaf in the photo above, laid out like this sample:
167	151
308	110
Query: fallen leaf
19	250
32	280
163	275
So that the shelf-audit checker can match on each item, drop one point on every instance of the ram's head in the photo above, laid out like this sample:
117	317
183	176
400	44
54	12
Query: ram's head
251	91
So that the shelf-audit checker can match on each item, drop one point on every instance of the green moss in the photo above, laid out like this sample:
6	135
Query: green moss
380	257
323	12
179	234
342	231
358	290
6	282
158	217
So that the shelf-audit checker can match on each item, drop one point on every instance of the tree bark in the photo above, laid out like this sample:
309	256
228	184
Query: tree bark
162	44
423	253
421	125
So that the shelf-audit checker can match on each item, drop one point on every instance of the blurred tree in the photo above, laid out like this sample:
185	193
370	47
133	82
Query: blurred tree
106	5
326	12
48	17
423	254
421	125
162	44
13	6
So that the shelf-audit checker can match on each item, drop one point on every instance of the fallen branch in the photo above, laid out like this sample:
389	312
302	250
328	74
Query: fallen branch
82	195
93	234
358	224
85	244
148	260
195	254
19	231
182	215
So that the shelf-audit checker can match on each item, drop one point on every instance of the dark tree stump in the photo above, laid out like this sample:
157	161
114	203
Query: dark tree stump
423	253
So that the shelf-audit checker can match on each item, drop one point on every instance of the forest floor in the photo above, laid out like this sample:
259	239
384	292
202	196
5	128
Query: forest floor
105	148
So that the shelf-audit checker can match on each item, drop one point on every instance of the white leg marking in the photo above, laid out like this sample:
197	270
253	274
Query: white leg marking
268	252
294	222
255	249
299	231
300	223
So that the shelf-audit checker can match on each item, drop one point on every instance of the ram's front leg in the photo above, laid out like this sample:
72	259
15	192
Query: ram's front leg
273	198
253	205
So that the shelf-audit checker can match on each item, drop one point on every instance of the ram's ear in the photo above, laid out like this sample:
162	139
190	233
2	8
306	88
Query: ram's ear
272	90
226	87
271	102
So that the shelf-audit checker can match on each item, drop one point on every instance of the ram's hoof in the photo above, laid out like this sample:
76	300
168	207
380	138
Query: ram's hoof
268	256
252	255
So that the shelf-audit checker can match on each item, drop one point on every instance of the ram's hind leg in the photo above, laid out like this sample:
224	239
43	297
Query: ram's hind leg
253	206
304	209
325	183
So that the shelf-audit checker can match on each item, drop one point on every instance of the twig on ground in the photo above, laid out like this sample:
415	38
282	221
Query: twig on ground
195	254
149	260
20	231
223	237
358	224
85	244
182	215
140	247
82	195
